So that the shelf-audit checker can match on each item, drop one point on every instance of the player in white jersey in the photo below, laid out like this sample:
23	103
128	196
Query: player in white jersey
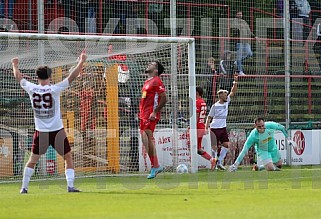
45	101
216	120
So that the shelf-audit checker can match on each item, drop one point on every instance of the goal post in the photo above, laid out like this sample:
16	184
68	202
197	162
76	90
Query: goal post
100	107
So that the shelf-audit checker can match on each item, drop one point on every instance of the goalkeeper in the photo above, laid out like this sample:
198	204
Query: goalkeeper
263	137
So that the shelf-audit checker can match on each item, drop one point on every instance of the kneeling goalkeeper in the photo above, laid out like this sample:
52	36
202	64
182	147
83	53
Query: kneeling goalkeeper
263	137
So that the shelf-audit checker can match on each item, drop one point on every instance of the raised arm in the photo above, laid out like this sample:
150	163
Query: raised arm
75	71
16	72
234	88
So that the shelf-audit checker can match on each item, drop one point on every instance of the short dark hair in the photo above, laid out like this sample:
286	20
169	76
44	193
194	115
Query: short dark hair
160	68
43	72
257	119
200	91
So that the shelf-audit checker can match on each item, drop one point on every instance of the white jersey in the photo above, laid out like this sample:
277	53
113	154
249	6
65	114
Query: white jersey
219	113
45	101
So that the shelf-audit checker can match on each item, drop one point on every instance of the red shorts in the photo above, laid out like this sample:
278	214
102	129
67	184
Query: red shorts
200	134
57	139
147	124
219	135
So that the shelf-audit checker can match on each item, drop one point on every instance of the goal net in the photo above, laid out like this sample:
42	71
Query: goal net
100	109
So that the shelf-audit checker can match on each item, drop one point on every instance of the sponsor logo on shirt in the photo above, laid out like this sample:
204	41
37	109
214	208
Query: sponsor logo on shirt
144	94
264	141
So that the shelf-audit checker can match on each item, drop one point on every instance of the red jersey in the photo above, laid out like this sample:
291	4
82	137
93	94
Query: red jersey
201	112
150	97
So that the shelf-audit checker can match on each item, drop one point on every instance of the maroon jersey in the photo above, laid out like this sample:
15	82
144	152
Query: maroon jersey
201	112
150	97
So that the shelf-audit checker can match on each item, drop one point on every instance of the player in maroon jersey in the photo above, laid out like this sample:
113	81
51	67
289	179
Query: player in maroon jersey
200	118
152	101
45	102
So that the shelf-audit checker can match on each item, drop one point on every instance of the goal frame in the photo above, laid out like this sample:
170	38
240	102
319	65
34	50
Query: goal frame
102	38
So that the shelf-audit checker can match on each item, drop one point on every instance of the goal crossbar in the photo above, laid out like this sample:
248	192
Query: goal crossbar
37	36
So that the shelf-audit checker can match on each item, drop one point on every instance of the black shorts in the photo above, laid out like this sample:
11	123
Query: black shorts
57	139
219	135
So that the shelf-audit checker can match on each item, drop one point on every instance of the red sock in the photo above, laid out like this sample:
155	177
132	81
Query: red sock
154	161
206	156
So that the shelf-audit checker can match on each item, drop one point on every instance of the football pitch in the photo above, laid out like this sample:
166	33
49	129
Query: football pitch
290	193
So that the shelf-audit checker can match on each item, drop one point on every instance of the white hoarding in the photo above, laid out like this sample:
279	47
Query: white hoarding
307	150
164	148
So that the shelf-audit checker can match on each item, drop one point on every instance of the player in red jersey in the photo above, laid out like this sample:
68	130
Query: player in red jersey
152	101
200	118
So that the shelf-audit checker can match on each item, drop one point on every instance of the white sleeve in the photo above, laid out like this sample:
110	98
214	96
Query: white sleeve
61	85
212	111
26	85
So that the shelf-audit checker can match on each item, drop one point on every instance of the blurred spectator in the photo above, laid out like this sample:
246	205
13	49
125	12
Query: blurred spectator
155	9
6	8
319	42
243	45
91	16
211	64
212	81
315	9
227	70
292	8
125	9
81	12
85	14
227	66
68	8
302	28
279	7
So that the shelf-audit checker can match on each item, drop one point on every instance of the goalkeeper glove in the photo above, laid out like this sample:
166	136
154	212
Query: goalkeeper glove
232	168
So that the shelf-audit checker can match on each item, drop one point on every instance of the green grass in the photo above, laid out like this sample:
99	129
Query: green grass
290	193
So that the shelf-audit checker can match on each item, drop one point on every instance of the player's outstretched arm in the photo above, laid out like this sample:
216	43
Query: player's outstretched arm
15	66
249	142
75	71
234	88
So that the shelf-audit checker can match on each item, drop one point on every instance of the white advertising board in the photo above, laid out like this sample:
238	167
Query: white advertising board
164	148
307	150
